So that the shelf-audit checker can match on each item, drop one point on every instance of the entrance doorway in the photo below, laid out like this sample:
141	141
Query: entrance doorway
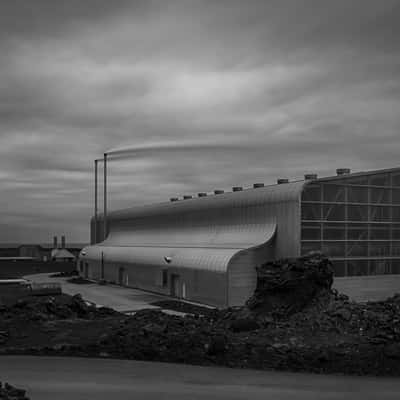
175	292
122	277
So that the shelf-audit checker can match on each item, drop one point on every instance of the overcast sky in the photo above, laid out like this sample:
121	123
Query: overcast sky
215	93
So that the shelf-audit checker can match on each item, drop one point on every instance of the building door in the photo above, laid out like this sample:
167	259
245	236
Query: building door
121	276
175	292
86	270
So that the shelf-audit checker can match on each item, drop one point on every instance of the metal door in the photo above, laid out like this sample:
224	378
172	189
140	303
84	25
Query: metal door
175	292
121	276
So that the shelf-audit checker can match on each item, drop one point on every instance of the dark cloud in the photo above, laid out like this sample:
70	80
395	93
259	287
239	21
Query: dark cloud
214	93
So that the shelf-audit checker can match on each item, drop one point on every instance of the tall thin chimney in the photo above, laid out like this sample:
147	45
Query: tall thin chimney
63	242
54	242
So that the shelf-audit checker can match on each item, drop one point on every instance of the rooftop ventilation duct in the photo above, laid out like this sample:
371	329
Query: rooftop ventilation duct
342	171
187	197
173	199
282	180
218	191
202	194
237	189
258	185
310	176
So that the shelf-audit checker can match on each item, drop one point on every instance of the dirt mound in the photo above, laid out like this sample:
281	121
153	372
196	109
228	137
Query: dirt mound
65	274
79	281
185	307
53	308
286	286
294	321
9	392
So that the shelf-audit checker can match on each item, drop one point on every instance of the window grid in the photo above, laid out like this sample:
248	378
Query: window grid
378	250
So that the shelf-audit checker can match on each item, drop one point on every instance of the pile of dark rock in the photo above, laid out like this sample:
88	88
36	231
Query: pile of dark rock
185	307
9	392
79	280
154	335
54	308
294	321
287	286
66	274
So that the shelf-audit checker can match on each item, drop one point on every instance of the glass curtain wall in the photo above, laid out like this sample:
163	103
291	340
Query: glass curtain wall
355	221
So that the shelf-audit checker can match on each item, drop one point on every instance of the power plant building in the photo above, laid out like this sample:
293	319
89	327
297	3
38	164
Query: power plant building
206	248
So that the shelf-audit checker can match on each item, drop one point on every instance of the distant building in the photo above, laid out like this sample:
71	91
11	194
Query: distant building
35	251
62	255
45	252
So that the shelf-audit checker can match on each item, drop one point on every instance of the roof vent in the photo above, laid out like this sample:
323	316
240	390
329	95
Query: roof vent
258	185
282	180
342	171
218	191
237	189
202	194
310	176
187	197
173	199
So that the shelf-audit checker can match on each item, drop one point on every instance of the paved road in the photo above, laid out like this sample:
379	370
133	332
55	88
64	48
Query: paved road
59	378
117	297
364	288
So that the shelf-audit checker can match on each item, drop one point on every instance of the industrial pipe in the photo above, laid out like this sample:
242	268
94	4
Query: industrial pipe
105	197
95	200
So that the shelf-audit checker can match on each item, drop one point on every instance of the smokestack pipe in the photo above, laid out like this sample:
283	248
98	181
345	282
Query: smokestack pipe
237	189
95	200
258	185
105	198
63	242
55	242
218	191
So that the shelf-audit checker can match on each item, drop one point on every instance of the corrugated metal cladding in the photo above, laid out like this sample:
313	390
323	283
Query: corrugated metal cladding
202	249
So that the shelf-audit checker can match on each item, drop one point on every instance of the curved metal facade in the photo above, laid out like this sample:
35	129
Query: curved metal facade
212	244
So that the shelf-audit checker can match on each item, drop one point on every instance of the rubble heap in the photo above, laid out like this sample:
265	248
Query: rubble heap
65	274
287	286
295	321
54	308
8	392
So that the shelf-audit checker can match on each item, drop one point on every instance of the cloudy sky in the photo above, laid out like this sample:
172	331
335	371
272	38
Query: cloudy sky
214	93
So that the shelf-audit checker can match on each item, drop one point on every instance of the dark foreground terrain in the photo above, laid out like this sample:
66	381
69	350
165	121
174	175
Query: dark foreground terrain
293	322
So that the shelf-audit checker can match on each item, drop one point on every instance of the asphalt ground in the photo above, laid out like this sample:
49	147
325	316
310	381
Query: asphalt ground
368	288
60	378
119	298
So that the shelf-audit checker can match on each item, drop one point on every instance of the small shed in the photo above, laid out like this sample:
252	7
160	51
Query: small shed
62	255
